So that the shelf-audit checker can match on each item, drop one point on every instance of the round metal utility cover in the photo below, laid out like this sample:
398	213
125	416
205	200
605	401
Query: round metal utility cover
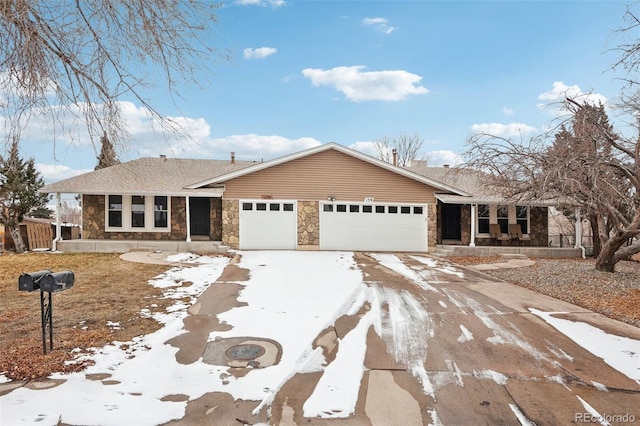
245	352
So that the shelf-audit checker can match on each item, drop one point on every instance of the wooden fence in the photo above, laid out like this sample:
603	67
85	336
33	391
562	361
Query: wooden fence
39	235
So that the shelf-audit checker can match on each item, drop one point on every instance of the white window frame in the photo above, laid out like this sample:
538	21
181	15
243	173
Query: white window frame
493	217
149	215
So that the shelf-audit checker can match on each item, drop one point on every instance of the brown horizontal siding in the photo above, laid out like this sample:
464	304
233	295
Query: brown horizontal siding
326	173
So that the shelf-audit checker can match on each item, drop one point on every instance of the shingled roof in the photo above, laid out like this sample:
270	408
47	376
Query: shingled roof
150	175
472	182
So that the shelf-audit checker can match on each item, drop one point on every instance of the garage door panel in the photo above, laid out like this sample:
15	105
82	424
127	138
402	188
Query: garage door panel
358	227
268	225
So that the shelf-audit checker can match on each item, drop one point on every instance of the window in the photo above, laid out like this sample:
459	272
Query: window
367	209
341	208
115	211
160	212
353	208
483	219
328	207
522	218
137	211
393	209
287	207
247	206
274	207
503	219
379	209
261	206
417	210
405	210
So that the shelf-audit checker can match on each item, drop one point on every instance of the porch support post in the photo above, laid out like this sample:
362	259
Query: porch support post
474	214
58	222
578	228
188	212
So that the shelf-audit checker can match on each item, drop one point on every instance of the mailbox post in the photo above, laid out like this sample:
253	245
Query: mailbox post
46	282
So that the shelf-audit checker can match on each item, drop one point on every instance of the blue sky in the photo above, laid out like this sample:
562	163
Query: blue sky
308	72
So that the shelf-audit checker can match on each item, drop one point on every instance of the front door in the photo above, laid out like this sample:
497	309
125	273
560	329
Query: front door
451	229
200	216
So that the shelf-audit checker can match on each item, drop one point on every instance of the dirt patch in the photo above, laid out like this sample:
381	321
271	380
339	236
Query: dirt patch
103	306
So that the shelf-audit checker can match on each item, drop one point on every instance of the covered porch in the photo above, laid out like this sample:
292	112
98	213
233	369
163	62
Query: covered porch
486	226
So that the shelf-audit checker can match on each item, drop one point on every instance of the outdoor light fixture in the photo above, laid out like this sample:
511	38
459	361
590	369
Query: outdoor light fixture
331	198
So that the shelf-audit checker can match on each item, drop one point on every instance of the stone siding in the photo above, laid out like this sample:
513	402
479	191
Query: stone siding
215	233
539	226
465	224
93	221
432	227
309	223
231	223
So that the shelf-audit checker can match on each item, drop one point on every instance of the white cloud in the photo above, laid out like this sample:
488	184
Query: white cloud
503	130
259	53
359	85
507	111
442	157
367	147
54	172
380	24
560	91
263	3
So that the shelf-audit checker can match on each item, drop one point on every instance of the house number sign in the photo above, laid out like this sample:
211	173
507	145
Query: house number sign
368	200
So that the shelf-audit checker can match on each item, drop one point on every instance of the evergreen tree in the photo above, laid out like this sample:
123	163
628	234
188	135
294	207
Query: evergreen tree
107	157
19	185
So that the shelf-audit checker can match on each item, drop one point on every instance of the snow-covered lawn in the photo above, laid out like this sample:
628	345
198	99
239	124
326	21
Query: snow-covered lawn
290	297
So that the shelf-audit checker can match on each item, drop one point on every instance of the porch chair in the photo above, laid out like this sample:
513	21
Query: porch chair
515	231
496	234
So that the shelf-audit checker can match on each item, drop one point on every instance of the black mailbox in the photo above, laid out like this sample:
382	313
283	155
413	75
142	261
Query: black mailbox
32	281
57	282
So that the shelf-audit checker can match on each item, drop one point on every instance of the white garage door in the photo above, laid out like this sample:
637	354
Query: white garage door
268	224
378	227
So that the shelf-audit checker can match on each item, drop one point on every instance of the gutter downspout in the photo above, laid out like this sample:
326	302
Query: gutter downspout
578	244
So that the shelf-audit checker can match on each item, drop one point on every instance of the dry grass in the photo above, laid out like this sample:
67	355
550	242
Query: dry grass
107	289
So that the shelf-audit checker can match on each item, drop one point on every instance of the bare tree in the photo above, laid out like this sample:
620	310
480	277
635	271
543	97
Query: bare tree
407	148
80	57
70	213
587	165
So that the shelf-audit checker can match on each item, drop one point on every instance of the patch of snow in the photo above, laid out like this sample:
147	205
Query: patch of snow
621	353
599	386
497	377
500	334
435	420
524	421
596	417
336	392
466	334
432	263
394	263
452	376
4	379
444	305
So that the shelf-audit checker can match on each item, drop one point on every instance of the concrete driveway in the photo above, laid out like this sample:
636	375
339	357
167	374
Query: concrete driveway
444	345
